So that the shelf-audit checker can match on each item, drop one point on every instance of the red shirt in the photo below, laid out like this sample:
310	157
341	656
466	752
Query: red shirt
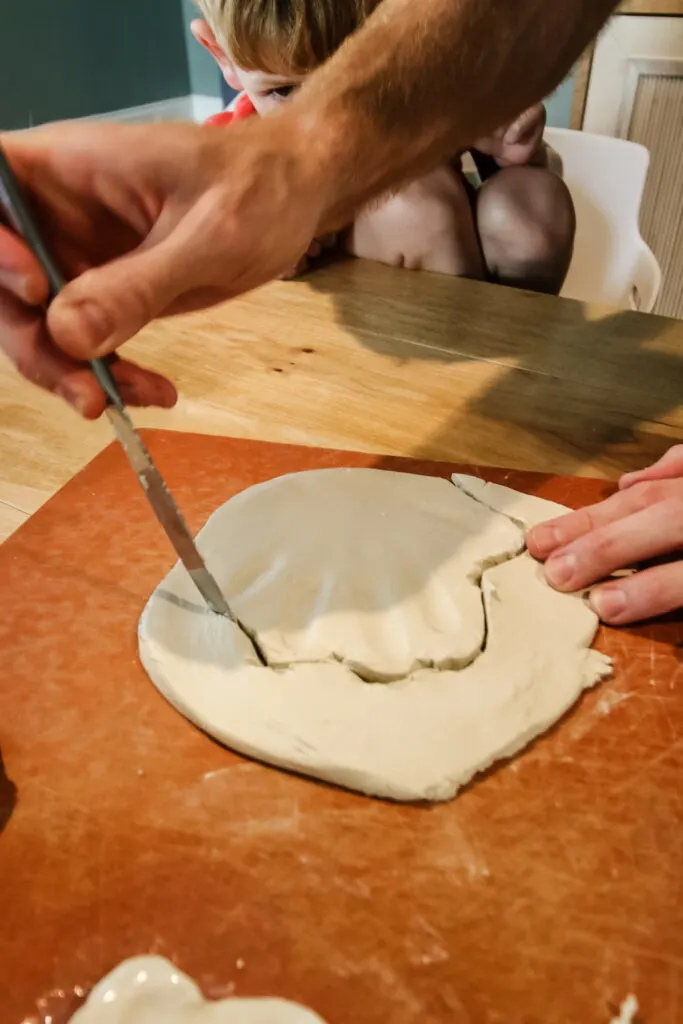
244	108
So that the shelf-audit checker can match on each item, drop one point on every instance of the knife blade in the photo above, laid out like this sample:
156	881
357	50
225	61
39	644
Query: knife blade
160	499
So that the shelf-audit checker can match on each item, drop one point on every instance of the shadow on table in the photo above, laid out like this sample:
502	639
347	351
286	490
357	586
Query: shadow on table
584	385
8	796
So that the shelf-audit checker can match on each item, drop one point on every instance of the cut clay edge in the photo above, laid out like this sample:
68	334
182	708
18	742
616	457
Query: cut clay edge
350	776
145	978
476	578
595	665
484	492
453	664
354	780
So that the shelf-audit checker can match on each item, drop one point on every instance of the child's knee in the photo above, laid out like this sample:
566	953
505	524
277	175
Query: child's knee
428	225
529	210
526	217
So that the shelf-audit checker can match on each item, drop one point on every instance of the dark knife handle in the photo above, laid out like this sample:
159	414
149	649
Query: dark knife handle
20	220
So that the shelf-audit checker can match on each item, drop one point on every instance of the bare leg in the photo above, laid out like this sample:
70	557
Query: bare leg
428	225
526	222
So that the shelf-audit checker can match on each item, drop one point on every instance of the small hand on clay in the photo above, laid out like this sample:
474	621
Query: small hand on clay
643	521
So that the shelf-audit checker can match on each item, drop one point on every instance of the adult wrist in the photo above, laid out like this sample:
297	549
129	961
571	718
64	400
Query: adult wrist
325	142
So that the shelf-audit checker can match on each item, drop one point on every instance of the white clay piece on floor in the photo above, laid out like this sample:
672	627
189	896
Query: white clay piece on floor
411	640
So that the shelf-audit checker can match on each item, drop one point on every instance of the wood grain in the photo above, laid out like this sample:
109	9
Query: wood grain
663	7
657	124
359	356
544	894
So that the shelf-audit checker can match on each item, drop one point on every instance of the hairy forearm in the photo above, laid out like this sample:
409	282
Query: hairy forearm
425	78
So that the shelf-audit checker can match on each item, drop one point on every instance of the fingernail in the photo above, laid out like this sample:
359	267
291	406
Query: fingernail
169	395
74	397
608	602
88	326
17	284
560	571
158	393
545	539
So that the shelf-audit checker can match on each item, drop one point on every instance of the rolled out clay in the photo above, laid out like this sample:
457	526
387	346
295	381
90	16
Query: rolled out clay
411	640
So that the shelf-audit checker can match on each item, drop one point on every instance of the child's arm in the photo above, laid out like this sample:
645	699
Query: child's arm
520	143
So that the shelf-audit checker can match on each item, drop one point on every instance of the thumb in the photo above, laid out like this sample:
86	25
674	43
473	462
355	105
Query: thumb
20	272
104	307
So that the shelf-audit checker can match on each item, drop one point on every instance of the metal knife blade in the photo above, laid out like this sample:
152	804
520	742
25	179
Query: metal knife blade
166	510
158	494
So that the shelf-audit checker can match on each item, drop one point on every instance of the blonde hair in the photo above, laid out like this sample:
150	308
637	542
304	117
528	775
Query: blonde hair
283	36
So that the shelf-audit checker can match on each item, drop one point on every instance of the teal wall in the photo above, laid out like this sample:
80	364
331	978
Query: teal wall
204	76
71	58
559	105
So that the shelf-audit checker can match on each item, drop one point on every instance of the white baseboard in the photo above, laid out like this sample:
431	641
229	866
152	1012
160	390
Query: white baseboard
180	108
204	107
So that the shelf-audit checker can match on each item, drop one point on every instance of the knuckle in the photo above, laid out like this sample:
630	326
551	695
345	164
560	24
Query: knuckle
658	593
127	291
648	493
581	522
138	296
602	547
674	514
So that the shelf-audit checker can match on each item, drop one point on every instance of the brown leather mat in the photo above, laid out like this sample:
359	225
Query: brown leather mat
546	892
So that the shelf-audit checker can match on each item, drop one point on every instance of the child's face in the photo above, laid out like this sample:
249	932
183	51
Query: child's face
267	91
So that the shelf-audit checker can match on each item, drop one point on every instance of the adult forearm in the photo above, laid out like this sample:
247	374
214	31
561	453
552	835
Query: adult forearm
424	78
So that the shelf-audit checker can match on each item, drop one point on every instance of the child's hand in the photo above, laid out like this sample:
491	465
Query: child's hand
641	523
520	143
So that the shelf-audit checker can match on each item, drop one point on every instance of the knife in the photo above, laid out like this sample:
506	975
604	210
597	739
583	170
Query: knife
151	480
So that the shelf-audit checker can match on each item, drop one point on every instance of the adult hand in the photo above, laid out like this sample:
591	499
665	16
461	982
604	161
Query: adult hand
26	340
643	521
148	221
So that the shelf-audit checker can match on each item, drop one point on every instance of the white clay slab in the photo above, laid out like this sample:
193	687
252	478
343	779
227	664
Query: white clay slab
350	575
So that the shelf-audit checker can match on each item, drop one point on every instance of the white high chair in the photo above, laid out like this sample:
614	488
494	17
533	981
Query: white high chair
612	264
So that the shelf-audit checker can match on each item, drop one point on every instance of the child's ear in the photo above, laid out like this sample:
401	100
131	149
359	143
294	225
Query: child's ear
204	35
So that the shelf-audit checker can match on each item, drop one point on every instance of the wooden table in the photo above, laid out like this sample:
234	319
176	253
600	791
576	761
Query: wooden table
359	356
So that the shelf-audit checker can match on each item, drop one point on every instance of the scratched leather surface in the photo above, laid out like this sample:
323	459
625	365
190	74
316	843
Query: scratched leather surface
545	893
